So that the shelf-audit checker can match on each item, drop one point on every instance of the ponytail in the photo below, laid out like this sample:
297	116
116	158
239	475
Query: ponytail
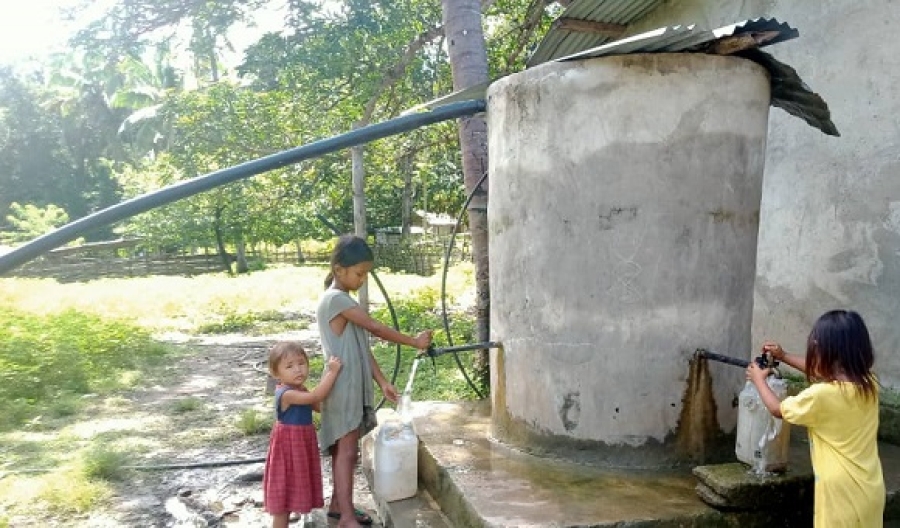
329	279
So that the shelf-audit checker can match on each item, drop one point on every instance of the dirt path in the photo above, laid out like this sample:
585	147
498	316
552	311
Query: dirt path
188	416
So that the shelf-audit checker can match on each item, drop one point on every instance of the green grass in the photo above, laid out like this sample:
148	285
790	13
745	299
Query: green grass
254	323
186	405
187	303
47	362
251	422
442	379
71	493
100	462
72	353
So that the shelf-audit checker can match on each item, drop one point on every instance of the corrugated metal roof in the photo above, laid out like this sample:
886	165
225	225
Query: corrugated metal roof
560	41
789	92
674	39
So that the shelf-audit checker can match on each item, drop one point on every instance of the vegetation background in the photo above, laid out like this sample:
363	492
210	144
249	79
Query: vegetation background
151	93
93	375
96	376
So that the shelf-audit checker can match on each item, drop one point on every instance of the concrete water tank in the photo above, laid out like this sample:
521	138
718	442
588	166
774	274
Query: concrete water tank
623	220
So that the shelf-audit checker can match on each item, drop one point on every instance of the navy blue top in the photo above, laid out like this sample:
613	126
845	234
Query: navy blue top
295	414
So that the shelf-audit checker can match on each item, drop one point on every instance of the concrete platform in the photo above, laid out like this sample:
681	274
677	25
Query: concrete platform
477	483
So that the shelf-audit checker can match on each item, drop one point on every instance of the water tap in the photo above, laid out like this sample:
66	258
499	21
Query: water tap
767	361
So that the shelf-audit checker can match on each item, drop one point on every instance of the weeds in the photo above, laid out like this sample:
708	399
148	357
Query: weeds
250	423
70	492
186	405
102	463
73	489
252	323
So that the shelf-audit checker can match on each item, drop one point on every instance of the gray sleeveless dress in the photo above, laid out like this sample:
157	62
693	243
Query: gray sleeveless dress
342	410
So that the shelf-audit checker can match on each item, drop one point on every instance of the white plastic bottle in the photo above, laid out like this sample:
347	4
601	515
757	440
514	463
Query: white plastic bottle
395	461
763	441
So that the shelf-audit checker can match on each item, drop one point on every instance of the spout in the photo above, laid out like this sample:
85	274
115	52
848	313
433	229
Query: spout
764	361
706	354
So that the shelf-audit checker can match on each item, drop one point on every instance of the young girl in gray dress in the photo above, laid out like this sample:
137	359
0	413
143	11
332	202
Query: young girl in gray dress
343	327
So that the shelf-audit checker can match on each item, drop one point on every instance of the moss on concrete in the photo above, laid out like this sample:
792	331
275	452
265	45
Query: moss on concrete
889	417
735	486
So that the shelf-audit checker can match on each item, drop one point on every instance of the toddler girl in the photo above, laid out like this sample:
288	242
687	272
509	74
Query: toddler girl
292	481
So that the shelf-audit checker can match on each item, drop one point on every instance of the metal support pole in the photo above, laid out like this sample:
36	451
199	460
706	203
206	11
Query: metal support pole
187	188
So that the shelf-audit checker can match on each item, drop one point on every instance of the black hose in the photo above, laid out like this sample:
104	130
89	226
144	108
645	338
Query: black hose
153	467
196	465
462	211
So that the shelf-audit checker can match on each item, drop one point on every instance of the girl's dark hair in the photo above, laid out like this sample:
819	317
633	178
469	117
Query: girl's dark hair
283	349
839	343
350	250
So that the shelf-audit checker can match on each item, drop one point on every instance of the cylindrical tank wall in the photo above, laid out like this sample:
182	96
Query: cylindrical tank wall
623	220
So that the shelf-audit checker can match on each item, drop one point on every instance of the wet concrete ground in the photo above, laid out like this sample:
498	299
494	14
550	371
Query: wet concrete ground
480	483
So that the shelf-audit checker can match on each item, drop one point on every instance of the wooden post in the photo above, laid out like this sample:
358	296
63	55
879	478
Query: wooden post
359	206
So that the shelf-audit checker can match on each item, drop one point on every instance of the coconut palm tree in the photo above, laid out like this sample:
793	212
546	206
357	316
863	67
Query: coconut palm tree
469	66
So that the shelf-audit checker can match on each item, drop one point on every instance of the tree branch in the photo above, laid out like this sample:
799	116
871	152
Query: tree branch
394	73
532	21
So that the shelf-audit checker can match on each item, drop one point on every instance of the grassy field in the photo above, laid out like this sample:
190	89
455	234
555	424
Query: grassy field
75	357
182	303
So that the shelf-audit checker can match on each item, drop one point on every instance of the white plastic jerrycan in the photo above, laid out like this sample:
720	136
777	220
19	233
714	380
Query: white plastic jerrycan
763	441
395	461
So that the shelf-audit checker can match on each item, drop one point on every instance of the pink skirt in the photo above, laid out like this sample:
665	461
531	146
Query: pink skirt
292	481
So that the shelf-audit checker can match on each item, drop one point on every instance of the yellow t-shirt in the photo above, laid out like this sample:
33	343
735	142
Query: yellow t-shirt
843	427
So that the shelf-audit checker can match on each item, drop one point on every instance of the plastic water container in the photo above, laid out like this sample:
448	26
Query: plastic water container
395	460
763	441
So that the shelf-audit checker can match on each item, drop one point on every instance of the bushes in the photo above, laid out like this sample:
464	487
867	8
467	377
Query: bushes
44	360
443	382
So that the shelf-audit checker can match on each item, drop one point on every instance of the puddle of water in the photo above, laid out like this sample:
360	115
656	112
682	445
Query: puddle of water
550	491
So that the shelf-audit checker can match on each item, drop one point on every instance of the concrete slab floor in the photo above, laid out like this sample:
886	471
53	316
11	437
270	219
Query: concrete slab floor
480	483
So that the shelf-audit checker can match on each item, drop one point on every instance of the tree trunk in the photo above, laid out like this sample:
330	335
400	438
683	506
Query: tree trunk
359	207
468	64
301	258
220	242
241	263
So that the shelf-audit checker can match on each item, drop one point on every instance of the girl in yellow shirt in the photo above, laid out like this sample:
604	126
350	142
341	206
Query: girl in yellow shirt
840	413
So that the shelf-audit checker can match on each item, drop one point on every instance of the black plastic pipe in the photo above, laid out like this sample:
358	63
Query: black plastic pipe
702	352
146	202
764	361
433	351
